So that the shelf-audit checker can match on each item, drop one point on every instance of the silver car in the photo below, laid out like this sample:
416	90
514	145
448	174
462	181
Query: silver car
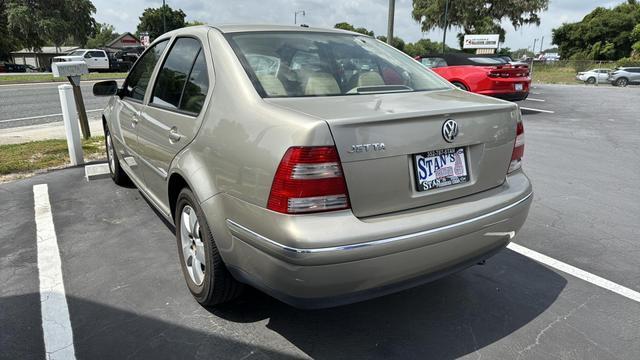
320	166
624	76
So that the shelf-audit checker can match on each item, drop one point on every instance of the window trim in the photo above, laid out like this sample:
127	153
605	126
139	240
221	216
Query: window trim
155	82
126	80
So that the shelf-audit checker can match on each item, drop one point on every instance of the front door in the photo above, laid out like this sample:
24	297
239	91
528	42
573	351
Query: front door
173	115
129	109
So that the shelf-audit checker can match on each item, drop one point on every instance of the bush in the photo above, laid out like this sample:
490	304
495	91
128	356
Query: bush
628	62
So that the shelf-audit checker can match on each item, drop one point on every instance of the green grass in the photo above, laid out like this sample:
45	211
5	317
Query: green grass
45	154
17	79
554	75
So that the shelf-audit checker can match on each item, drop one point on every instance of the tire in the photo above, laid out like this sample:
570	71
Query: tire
117	173
622	82
460	85
208	279
591	80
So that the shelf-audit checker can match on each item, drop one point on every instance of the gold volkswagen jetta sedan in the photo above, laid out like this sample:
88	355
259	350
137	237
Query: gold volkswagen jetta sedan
321	166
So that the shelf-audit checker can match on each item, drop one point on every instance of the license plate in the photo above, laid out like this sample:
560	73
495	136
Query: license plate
440	168
519	87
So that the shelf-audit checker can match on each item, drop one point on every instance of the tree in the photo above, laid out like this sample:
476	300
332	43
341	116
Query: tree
425	46
32	24
194	23
396	42
603	34
349	27
102	35
477	16
151	20
522	53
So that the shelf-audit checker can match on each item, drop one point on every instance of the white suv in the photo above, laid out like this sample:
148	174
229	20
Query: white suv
96	59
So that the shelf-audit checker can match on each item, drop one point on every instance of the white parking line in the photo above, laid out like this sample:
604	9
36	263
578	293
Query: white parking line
537	110
56	326
532	99
574	271
41	116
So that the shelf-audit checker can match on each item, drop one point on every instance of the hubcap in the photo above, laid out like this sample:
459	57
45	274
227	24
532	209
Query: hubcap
192	245
110	154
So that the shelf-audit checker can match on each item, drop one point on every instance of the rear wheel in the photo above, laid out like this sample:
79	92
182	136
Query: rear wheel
622	82
591	80
206	275
460	85
117	173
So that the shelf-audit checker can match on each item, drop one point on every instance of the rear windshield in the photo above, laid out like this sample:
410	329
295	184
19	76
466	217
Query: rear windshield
296	64
488	61
77	53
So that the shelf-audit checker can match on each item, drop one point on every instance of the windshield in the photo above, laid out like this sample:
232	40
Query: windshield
296	64
77	53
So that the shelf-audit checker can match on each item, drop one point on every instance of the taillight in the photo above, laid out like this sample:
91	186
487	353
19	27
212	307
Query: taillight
309	179
518	149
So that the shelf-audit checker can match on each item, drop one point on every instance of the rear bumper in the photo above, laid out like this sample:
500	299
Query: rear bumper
424	246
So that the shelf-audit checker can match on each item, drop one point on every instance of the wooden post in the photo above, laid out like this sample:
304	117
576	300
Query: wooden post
82	112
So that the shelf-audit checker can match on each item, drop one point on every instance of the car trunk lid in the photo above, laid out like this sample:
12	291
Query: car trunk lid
378	136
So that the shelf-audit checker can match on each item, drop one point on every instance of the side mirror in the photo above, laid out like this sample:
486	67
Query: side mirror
105	88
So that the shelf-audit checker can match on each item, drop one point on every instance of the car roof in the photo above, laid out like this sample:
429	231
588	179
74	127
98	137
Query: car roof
236	28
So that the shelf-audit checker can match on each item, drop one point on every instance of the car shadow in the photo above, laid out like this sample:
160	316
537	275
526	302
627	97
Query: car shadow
446	319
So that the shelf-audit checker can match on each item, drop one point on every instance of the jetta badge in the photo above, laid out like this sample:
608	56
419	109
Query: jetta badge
449	130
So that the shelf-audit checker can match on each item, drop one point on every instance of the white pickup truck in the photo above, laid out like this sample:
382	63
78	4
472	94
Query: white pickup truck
96	59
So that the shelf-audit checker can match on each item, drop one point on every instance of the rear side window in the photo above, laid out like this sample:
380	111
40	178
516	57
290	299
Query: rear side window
97	54
183	82
139	77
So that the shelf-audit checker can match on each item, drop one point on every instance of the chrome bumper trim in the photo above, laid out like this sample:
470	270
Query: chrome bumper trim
236	228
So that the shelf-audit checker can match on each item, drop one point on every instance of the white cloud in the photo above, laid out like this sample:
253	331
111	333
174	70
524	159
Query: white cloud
372	14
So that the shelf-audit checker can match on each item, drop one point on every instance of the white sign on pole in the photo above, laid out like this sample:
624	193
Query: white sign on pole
481	41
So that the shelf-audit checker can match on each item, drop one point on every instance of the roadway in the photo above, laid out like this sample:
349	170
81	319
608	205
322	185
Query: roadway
39	103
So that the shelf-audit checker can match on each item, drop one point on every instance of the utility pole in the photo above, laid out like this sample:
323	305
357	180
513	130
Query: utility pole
534	46
446	19
295	16
541	41
392	9
164	21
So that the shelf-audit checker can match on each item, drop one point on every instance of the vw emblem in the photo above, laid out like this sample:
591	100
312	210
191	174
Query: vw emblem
450	130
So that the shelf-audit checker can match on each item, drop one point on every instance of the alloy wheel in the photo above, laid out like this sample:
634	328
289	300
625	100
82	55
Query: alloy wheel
110	154
192	245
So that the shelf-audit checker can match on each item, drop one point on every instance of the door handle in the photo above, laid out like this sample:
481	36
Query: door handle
174	136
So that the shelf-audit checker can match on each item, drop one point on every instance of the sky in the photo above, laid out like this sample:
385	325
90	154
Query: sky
371	14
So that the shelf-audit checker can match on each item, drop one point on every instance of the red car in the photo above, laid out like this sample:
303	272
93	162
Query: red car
492	76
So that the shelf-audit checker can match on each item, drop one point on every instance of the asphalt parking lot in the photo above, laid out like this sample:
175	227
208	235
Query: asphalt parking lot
127	299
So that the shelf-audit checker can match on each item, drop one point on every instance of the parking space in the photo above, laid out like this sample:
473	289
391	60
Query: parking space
126	296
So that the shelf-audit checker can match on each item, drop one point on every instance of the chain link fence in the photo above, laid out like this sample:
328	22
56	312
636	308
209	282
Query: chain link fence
565	71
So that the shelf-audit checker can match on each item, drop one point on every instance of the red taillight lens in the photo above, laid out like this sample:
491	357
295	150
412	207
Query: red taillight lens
309	179
518	149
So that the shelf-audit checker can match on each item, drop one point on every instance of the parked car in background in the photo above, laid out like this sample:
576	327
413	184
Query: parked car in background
13	68
324	167
484	75
96	59
593	76
624	76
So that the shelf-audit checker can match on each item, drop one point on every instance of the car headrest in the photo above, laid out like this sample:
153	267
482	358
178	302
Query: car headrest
319	83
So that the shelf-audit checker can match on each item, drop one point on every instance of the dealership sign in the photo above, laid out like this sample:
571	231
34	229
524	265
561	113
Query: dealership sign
481	41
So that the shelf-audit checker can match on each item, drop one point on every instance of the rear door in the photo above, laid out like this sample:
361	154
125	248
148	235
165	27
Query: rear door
129	108
173	115
96	59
